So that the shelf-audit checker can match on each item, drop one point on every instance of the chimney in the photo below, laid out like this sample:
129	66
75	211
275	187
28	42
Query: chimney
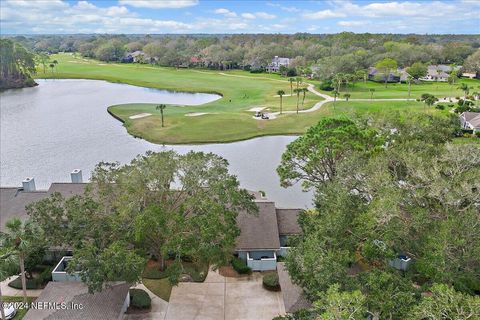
28	184
76	175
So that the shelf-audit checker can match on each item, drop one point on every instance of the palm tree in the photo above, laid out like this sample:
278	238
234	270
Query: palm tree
346	96
55	63
161	107
371	93
291	80
52	66
297	91
338	80
335	94
281	93
428	99
476	95
18	240
298	80
304	91
465	88
409	80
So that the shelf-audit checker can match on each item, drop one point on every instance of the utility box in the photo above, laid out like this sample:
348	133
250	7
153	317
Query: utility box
401	262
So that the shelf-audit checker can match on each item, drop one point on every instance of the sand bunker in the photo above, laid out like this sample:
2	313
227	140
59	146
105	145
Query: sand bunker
256	109
196	114
140	115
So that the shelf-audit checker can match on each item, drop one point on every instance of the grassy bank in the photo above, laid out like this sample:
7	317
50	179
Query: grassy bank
226	119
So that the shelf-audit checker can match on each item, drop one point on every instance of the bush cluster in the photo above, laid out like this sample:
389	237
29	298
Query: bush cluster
270	282
240	266
140	299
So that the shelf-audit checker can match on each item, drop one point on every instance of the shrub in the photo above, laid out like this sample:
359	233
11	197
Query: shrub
31	284
240	266
440	107
256	71
140	299
477	133
326	86
270	281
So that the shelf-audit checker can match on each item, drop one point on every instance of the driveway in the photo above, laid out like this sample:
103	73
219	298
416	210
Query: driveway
220	298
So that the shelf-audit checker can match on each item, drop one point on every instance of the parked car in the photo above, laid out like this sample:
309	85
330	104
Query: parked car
10	311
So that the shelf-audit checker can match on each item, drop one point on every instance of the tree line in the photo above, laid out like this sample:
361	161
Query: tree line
17	65
331	54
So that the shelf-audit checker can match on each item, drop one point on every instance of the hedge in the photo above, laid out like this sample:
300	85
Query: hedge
240	266
140	299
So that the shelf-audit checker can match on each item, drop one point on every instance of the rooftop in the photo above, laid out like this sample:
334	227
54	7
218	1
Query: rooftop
104	305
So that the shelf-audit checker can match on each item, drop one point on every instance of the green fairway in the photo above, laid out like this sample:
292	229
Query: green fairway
226	119
400	90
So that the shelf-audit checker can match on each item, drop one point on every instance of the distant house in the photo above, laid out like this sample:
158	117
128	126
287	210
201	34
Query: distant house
470	121
71	300
265	236
439	72
400	75
471	75
276	63
137	57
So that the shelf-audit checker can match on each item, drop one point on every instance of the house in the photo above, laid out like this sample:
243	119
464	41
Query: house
471	75
71	300
14	199
137	57
276	63
293	297
470	121
264	237
439	72
400	75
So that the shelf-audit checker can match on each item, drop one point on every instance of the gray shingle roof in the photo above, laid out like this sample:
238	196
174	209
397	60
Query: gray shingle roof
287	220
293	296
261	231
473	118
103	305
14	200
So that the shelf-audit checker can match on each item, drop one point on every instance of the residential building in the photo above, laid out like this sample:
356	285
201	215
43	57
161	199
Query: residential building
400	75
263	237
71	300
439	72
470	121
276	63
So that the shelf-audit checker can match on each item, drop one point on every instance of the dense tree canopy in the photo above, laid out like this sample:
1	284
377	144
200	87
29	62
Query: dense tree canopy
17	65
416	196
161	204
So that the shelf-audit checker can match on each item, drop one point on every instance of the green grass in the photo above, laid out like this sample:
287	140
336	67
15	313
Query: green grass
160	287
229	116
20	312
400	90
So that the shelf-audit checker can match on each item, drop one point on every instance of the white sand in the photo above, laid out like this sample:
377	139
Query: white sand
140	115
196	114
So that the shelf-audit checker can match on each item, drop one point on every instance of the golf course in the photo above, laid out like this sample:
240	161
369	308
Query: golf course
242	93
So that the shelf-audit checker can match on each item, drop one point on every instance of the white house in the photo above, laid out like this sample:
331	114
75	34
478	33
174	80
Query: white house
470	121
277	62
439	72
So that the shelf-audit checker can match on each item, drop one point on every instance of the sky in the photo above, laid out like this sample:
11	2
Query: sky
237	16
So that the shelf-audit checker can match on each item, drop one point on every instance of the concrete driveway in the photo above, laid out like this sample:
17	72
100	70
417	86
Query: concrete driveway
220	298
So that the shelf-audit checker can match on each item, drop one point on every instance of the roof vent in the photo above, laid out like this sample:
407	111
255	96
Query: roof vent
28	184
76	175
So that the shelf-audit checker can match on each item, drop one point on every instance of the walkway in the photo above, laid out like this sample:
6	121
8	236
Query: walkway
12	292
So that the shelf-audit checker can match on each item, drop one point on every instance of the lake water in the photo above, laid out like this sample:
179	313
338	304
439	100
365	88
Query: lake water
60	125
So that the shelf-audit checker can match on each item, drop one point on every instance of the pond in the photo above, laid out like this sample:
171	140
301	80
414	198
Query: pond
60	125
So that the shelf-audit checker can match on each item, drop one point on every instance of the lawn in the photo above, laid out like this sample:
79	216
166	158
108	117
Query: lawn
229	115
160	287
400	90
20	312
